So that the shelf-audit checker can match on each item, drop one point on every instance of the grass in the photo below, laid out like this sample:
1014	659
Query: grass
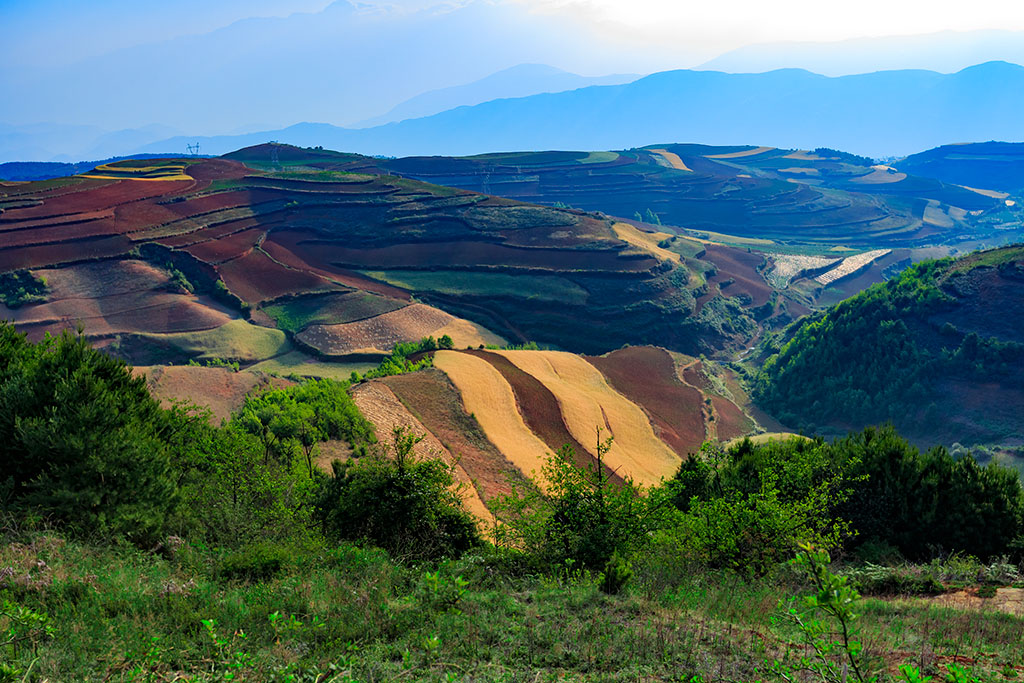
599	158
469	283
296	314
236	340
123	615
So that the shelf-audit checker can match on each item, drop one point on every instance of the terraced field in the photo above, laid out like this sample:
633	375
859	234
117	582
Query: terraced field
252	262
787	196
659	408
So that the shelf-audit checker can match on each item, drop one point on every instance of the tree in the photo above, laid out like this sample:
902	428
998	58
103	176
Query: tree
411	508
583	518
83	442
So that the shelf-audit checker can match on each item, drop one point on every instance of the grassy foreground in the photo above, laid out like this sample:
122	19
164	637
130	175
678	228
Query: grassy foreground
188	613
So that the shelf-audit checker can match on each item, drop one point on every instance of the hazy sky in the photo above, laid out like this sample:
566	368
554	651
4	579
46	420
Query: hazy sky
52	32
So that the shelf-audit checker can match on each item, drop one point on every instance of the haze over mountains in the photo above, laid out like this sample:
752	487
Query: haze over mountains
357	65
883	114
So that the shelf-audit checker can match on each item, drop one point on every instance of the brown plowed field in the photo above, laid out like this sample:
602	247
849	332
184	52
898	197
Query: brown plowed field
380	333
693	374
217	169
433	400
730	420
103	197
647	376
102	278
226	248
255	278
219	389
66	252
59	233
741	267
381	407
126	313
284	255
45	222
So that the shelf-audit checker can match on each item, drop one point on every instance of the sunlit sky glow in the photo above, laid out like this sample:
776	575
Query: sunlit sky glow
698	29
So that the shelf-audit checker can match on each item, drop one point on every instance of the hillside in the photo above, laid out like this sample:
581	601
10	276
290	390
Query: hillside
171	259
939	351
992	165
882	114
824	197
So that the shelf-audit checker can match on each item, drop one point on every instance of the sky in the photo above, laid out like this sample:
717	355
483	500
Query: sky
213	67
53	32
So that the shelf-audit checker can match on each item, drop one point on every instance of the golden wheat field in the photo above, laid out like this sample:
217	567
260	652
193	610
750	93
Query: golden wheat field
588	402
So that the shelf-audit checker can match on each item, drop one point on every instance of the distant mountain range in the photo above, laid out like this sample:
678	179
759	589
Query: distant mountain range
883	114
518	81
946	52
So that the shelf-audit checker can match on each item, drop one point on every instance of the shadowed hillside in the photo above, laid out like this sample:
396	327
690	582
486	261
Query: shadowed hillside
939	351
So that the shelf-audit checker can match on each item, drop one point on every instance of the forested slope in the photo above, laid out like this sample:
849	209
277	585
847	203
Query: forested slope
938	350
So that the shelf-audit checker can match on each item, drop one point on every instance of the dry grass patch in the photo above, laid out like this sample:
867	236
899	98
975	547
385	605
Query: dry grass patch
587	401
738	155
380	333
645	241
672	160
221	390
489	398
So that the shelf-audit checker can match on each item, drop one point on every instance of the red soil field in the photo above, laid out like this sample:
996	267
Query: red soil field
432	399
217	169
363	187
741	267
66	252
47	222
255	278
59	233
731	421
44	189
647	376
140	215
694	375
104	197
219	201
283	254
162	314
225	248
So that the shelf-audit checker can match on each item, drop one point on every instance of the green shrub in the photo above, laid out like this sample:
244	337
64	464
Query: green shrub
617	573
256	562
410	508
84	443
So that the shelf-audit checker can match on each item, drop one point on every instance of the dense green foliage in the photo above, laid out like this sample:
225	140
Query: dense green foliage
581	521
876	356
297	418
19	287
929	503
872	487
82	441
406	506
